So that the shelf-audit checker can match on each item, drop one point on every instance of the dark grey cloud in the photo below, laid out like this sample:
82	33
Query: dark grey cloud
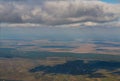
57	12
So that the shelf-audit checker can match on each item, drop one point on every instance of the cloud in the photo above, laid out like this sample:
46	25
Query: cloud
59	12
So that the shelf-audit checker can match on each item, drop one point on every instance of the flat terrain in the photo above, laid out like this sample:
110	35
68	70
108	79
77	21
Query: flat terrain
18	65
97	47
18	69
43	60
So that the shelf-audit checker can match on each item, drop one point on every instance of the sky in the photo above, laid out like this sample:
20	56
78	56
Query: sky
60	20
60	13
111	1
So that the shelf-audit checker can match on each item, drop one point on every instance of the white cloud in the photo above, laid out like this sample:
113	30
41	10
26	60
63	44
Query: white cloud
57	12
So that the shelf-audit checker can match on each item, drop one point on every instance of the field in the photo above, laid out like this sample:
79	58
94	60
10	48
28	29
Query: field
57	66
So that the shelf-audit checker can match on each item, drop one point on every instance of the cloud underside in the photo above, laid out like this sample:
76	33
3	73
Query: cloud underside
66	12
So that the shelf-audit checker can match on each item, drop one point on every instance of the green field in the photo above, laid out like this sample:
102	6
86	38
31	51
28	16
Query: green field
13	53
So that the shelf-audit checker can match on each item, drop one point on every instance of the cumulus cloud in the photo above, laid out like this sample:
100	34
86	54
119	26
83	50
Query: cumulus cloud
59	12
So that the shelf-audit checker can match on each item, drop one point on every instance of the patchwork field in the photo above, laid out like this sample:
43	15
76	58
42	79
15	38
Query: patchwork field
57	66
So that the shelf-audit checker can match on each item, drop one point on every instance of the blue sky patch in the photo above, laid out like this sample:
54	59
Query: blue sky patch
111	1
